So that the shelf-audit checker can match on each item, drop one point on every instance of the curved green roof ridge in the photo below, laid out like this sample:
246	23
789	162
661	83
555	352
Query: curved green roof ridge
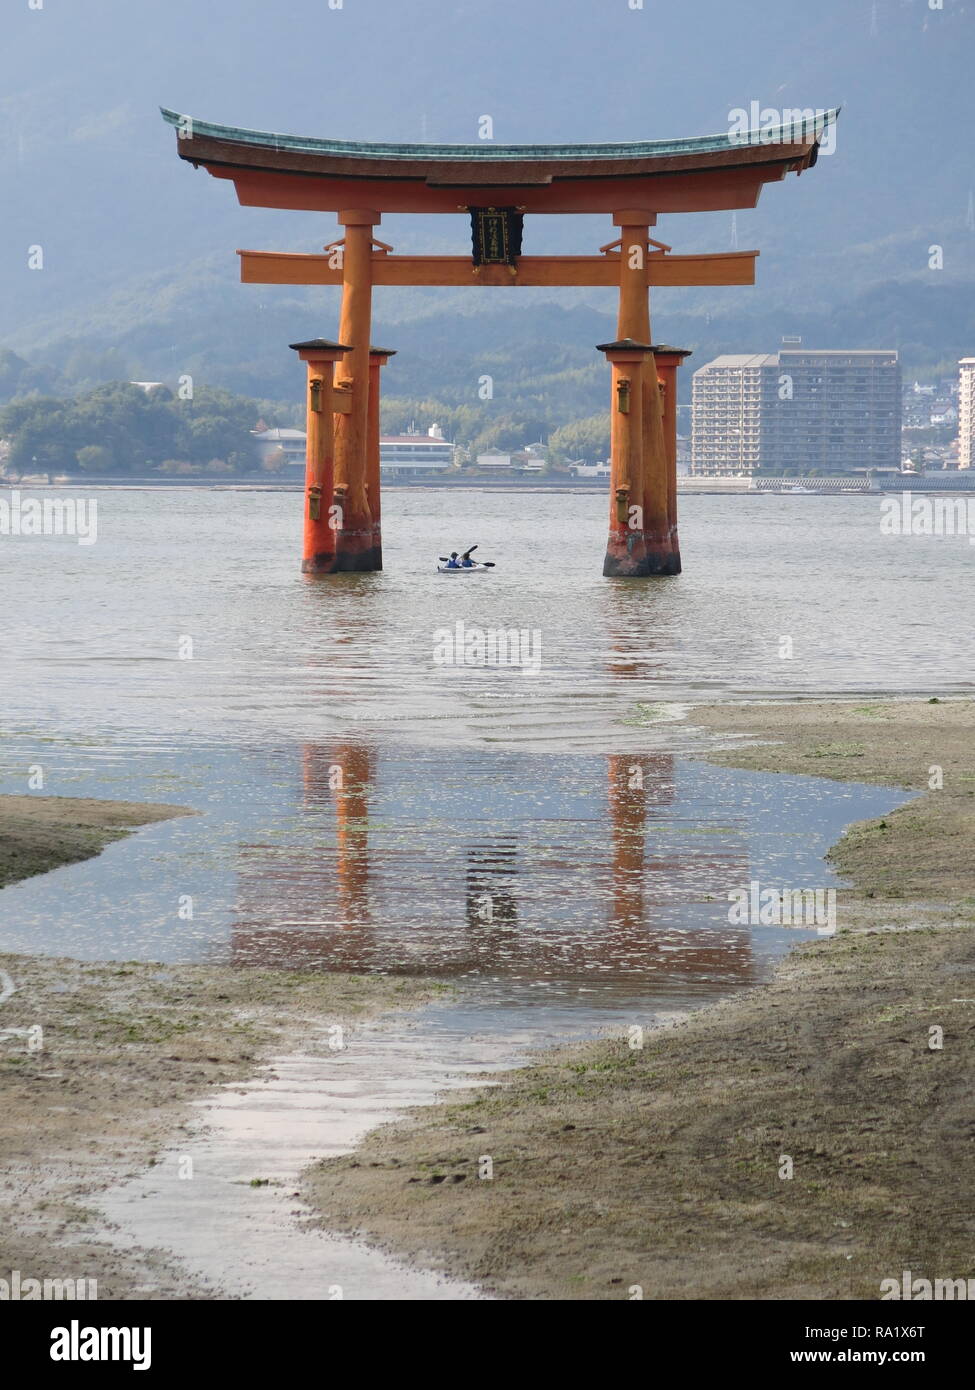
788	133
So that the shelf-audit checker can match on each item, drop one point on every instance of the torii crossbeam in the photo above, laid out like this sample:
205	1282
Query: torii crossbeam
497	185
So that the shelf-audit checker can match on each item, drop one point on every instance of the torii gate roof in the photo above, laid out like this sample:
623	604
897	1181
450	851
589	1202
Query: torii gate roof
700	173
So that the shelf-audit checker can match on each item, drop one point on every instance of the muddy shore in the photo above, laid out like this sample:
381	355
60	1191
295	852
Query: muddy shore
124	1049
803	1140
38	833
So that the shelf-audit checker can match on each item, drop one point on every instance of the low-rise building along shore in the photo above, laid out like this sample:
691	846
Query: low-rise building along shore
400	455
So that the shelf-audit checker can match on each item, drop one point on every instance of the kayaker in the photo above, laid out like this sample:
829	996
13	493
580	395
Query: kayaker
466	562
452	563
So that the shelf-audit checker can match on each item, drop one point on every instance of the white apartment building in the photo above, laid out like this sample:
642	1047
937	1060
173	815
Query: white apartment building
966	412
726	412
798	410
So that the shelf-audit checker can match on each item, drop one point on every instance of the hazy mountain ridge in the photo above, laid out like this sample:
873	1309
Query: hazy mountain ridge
139	248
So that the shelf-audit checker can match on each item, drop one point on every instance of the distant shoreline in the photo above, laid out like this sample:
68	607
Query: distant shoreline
294	485
687	487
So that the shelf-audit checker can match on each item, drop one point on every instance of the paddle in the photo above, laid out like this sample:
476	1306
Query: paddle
488	564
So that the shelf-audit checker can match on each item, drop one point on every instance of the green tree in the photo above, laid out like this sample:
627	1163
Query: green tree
41	435
133	429
581	439
216	423
95	458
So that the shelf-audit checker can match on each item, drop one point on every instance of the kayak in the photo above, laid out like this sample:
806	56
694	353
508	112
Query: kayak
465	569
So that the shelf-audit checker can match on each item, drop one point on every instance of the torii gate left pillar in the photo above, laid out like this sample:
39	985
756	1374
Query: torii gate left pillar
319	541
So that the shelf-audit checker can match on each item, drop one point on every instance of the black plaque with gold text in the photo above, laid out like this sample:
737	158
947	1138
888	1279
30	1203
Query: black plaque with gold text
496	235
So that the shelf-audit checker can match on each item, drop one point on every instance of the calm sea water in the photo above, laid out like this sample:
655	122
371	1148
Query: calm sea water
91	641
544	837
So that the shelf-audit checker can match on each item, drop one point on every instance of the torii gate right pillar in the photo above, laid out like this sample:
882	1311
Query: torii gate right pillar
668	360
643	532
626	551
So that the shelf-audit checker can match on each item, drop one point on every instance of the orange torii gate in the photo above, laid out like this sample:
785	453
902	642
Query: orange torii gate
497	185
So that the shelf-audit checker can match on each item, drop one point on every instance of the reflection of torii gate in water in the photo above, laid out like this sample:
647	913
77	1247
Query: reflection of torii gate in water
497	185
342	908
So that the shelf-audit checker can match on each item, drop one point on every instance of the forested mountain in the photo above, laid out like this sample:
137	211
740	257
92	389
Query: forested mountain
139	275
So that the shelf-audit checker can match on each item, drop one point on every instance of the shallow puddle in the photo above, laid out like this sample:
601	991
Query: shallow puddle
578	881
223	1200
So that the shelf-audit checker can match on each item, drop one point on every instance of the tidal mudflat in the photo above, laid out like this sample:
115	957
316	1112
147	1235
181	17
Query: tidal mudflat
128	1048
101	1061
163	1061
806	1139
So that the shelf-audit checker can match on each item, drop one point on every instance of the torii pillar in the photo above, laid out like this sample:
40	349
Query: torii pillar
318	555
626	549
643	532
668	360
378	357
355	538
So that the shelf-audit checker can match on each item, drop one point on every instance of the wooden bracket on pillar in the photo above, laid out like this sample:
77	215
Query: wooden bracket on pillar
634	217
617	245
383	247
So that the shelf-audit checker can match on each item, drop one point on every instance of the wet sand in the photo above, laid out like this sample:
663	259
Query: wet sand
38	833
663	1171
